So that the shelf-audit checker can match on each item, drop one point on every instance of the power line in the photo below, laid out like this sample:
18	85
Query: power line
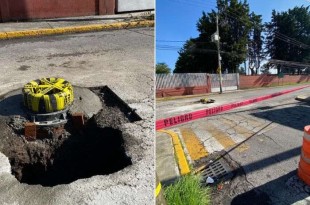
274	61
235	16
288	63
173	41
192	3
291	40
287	40
278	35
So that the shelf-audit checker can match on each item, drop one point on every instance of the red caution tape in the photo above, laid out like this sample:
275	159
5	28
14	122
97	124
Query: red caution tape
176	120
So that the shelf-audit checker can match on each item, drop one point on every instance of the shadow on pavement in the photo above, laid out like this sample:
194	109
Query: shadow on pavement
170	181
266	162
278	189
295	117
253	109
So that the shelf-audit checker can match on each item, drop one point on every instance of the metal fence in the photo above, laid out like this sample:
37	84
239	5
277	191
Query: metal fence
180	80
230	81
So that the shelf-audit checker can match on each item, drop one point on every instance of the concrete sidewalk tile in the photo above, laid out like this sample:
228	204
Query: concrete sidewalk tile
220	136
179	152
166	166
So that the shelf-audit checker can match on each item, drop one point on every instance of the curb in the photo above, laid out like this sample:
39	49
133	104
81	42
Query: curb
187	117
76	29
179	152
170	98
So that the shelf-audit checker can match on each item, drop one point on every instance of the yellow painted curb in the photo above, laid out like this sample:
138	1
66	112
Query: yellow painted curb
75	29
195	147
157	190
180	155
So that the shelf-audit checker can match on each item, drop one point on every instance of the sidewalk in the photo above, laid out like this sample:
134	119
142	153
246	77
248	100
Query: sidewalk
166	166
178	106
75	24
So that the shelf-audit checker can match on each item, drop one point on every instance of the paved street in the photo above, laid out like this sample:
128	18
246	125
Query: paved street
121	59
261	143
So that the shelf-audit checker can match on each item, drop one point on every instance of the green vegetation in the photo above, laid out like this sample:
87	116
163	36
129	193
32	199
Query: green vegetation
240	33
288	39
162	68
187	191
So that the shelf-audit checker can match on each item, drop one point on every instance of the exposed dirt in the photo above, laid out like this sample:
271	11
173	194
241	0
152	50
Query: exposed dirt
98	148
228	189
112	105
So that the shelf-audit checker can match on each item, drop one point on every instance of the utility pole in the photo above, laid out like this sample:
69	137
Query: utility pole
218	52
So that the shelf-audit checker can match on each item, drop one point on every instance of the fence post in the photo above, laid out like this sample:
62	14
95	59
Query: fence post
4	10
106	7
238	81
209	83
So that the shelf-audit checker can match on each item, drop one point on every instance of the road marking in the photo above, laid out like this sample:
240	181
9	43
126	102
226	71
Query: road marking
220	136
249	122
157	190
179	152
224	139
248	117
228	130
209	142
238	129
194	146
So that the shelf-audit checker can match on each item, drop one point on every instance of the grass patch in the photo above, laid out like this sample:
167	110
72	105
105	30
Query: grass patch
187	191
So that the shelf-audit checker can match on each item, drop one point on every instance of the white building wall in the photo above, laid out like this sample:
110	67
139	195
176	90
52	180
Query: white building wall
134	5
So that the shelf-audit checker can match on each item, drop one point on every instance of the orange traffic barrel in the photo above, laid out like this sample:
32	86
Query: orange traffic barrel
304	163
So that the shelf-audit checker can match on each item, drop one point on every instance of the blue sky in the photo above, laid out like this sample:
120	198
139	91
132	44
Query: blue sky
176	21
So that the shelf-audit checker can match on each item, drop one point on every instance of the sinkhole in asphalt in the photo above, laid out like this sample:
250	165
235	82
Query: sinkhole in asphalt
98	151
98	148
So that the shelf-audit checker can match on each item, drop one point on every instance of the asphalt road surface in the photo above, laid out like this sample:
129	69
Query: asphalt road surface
121	59
262	144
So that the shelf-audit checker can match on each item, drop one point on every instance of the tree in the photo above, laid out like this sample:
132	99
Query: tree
265	69
255	43
200	54
288	37
242	71
162	68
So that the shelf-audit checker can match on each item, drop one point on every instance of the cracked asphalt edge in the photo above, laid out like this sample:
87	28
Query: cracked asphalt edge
76	29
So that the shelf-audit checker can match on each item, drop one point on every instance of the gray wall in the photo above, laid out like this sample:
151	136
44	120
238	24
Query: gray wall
134	5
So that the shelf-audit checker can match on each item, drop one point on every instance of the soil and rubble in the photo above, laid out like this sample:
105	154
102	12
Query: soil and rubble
103	146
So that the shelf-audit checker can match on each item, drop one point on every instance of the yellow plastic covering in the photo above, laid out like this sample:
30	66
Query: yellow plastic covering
48	95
